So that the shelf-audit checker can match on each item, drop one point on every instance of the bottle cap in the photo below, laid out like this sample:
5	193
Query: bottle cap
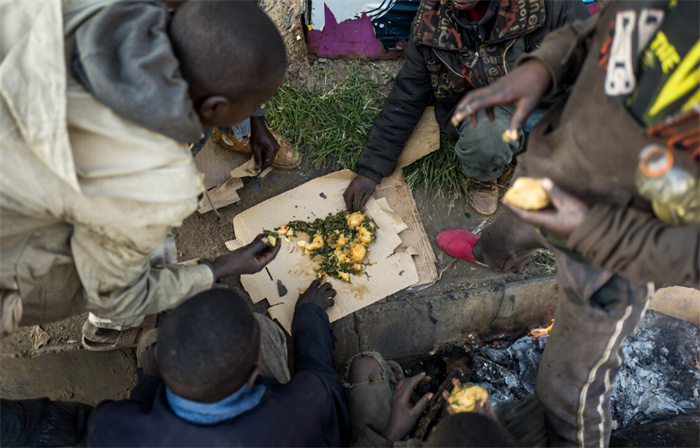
655	160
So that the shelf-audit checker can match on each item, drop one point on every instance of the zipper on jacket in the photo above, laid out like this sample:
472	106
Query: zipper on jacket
450	68
505	67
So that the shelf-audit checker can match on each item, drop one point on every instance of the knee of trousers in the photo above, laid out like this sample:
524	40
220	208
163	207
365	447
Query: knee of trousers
484	157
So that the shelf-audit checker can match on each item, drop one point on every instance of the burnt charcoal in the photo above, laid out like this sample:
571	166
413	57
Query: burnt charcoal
657	379
496	355
528	354
500	382
518	363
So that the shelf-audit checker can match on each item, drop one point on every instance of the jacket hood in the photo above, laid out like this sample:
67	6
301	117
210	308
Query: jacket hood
436	23
124	58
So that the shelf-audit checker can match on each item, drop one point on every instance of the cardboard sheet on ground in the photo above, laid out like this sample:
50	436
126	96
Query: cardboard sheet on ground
223	170
391	272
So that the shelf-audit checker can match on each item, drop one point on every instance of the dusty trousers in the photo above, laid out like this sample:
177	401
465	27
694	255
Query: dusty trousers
596	311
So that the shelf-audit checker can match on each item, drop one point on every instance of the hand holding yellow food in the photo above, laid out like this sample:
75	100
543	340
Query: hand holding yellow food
464	399
527	193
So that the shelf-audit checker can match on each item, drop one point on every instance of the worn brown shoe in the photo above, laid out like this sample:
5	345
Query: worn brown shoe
483	197
287	157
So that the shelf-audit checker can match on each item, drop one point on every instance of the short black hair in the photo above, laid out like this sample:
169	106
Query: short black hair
208	346
469	429
229	48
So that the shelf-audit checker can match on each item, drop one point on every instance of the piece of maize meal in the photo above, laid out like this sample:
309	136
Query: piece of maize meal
316	244
464	399
510	135
364	236
358	252
271	237
344	276
341	241
527	193
356	219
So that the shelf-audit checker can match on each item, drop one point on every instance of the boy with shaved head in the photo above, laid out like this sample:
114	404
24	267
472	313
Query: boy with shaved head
211	393
96	167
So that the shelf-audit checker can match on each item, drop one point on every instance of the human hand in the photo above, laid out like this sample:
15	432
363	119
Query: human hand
403	416
318	293
246	260
481	406
358	192
569	212
524	87
262	143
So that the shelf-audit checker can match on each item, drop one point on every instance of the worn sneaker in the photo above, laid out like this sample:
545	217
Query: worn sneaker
483	197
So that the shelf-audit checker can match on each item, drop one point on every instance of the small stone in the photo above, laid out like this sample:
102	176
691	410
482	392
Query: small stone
281	289
39	337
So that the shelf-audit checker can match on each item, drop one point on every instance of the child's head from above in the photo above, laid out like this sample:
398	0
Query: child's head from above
208	346
232	56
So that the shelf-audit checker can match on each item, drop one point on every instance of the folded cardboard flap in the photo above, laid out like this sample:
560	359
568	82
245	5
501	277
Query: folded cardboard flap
391	272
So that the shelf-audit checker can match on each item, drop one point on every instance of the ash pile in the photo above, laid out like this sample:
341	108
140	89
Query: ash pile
660	377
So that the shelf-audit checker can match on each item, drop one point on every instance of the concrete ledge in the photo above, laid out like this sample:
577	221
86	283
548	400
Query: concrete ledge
69	375
409	327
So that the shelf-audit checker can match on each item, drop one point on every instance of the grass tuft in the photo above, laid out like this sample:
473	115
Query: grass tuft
330	124
440	172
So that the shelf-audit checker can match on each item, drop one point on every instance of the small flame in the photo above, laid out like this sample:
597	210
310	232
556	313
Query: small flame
539	333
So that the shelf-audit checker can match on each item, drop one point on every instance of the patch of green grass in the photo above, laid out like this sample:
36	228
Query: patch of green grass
330	124
440	172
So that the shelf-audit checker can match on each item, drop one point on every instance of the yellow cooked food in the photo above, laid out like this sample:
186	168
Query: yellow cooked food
527	193
464	399
510	135
340	240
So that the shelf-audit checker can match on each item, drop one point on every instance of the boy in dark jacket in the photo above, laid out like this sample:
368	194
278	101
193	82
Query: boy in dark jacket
636	87
457	46
211	394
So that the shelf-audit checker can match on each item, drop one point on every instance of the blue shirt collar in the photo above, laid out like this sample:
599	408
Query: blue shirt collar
242	400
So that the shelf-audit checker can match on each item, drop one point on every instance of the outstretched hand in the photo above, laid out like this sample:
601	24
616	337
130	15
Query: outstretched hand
262	143
403	415
358	192
524	87
568	213
246	260
318	293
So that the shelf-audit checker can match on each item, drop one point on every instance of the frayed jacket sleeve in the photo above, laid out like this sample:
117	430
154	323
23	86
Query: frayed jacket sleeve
117	278
401	112
638	246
